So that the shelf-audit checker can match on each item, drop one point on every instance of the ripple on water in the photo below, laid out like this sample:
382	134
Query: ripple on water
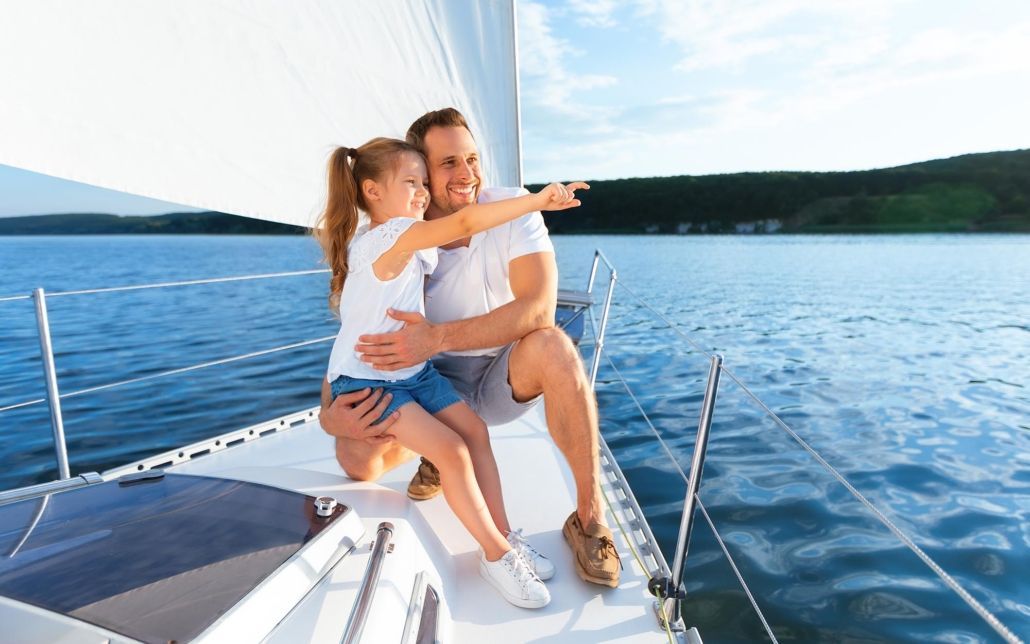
914	388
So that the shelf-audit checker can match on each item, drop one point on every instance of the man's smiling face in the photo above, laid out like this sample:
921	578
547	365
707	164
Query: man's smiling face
454	175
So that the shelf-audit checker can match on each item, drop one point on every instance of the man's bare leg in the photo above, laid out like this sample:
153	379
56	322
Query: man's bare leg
570	408
364	461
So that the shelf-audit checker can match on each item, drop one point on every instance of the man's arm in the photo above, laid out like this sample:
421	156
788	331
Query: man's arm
534	282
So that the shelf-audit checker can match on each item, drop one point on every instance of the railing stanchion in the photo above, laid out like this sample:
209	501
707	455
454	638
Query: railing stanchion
674	593
593	271
50	372
599	346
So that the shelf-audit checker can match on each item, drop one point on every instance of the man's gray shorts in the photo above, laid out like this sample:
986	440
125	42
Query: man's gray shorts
483	382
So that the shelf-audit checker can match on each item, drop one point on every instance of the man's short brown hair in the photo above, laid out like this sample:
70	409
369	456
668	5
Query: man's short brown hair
447	117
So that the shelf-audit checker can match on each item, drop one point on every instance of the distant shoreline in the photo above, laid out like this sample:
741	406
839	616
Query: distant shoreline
973	193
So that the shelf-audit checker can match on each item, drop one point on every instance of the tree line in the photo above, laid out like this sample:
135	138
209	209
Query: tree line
974	192
988	192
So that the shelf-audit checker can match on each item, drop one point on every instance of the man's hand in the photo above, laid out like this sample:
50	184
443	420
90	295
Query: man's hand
351	416
417	342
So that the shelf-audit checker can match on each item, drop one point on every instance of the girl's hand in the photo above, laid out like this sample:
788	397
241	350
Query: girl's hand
561	197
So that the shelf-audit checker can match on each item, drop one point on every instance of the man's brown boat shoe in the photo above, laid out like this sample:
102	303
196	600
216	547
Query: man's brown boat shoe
426	482
596	558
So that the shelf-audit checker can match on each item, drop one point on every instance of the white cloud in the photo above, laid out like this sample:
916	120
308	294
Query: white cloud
857	51
594	13
547	82
719	34
782	84
677	100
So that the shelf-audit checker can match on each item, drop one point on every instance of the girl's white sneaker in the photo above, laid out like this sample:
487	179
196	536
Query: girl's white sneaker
514	580
539	564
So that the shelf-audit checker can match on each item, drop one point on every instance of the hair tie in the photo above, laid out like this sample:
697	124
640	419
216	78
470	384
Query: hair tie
352	153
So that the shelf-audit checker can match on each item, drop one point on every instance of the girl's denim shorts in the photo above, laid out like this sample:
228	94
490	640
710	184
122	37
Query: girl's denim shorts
428	388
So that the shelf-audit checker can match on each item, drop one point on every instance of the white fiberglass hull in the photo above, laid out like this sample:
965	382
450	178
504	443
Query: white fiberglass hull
539	494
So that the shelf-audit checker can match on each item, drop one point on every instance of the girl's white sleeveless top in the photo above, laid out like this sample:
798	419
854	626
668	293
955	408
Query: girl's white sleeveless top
365	298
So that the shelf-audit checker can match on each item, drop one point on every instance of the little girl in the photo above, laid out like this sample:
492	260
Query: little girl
385	268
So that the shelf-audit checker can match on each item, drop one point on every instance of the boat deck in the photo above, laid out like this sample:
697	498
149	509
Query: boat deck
539	495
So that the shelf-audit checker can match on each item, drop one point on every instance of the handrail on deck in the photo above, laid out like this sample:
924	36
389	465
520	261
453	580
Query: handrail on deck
369	584
48	488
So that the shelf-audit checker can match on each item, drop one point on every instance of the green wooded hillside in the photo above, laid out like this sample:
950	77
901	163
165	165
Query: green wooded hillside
175	223
974	192
987	192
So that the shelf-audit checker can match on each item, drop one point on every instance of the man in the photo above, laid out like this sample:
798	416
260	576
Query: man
490	306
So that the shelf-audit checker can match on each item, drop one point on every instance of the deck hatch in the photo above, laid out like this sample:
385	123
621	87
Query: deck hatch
159	560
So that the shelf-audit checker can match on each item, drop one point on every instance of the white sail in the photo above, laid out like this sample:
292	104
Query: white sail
234	105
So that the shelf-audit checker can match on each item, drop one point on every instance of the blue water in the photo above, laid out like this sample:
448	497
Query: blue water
905	360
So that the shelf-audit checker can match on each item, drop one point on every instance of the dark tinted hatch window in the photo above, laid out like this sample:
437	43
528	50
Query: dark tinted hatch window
158	560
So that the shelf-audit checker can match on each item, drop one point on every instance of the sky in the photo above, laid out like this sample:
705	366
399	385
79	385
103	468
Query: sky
633	88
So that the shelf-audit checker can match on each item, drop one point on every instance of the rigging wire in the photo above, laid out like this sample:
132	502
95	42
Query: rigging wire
27	403
711	524
211	280
199	366
202	365
948	580
736	571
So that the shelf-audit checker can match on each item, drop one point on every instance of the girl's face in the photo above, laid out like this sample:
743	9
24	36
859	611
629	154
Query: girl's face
405	193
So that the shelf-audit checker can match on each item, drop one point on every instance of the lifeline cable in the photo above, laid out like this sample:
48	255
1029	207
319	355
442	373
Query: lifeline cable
948	580
171	372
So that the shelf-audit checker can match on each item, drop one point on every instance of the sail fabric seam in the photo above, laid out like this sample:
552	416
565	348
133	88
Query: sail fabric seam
989	617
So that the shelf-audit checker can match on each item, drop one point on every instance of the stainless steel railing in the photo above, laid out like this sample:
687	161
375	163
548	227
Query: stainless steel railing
369	584
674	592
599	336
46	351
50	487
54	396
421	624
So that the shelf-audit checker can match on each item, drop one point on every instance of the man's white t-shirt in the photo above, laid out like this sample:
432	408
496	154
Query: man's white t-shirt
473	280
365	298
